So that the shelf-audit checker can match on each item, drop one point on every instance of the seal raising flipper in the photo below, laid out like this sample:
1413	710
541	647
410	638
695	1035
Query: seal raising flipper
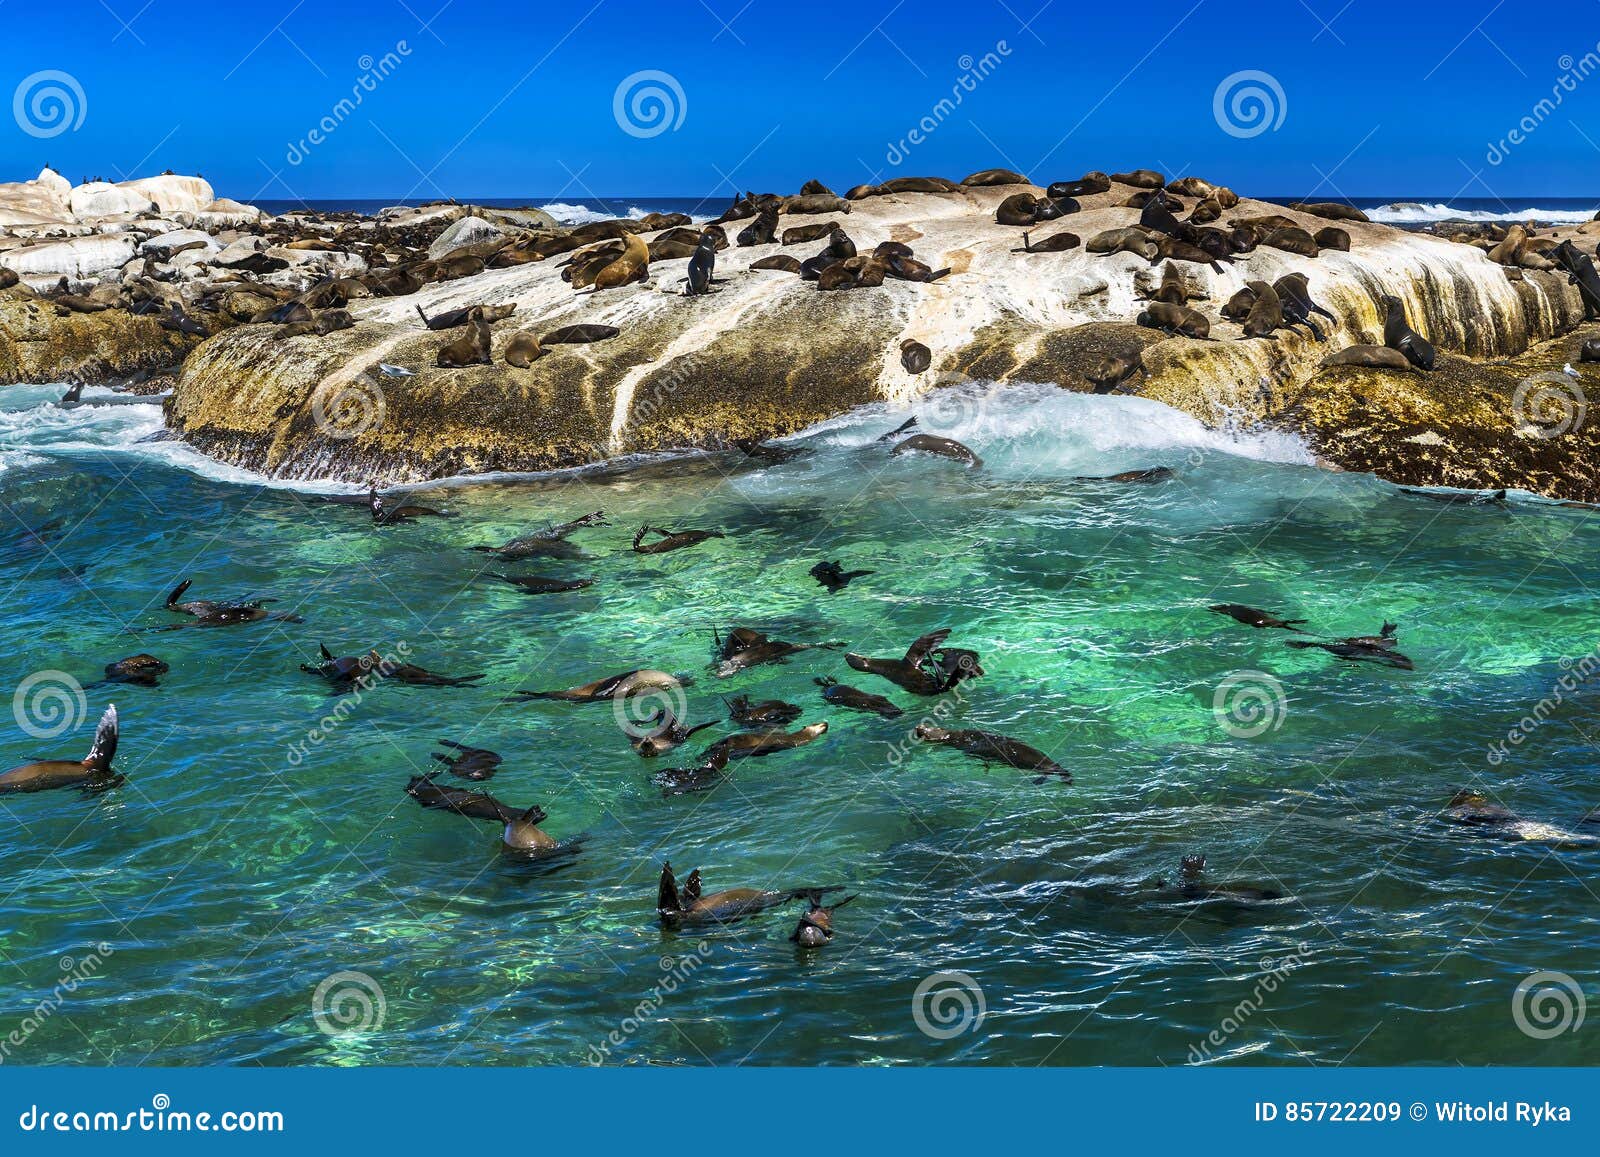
926	669
745	647
908	424
213	614
90	774
816	926
688	906
667	732
670	540
520	831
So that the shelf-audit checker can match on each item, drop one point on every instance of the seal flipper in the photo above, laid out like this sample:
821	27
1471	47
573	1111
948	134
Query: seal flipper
104	748
667	898
900	429
177	592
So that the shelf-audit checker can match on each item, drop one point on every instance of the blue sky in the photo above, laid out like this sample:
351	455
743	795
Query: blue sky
502	99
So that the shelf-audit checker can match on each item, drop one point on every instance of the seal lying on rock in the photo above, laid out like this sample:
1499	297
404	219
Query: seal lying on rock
450	319
1176	320
579	334
1372	357
471	349
914	356
92	773
1398	335
688	906
990	746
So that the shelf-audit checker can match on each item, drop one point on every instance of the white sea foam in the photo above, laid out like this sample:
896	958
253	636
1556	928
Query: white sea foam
1418	213
569	214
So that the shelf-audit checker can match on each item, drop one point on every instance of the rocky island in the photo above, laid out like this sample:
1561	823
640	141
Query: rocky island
431	341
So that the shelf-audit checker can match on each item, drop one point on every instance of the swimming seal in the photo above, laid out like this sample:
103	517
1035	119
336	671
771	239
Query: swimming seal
474	763
1192	887
1252	617
816	927
752	744
623	686
1148	475
669	540
834	577
745	647
520	831
138	670
688	906
1460	497
943	447
766	714
215	614
367	669
926	668
990	746
1473	810
1398	335
385	515
703	776
1379	648
523	349
666	732
840	695
549	542
533	584
92	773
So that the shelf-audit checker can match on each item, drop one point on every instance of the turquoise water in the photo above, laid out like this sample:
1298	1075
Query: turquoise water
242	865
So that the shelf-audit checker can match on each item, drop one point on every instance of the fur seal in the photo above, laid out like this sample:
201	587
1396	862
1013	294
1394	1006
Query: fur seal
943	447
90	774
703	264
371	667
703	776
761	231
1175	320
1017	209
984	178
816	927
745	647
471	349
840	695
451	319
1055	243
1128	239
1112	372
1379	648
1589	351
751	744
1398	335
1332	237
549	542
767	714
1291	239
623	686
533	584
1581	272
579	334
1375	357
384	515
1330	210
781	262
1460	497
803	234
1473	810
215	614
687	906
474	763
835	577
633	265
1294	298
1192	887
668	540
1146	476
990	746
667	731
520	831
1140	179
1252	617
139	670
915	356
1266	311
926	668
523	349
1087	185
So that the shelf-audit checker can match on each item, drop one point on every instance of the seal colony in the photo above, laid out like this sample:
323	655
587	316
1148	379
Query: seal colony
658	334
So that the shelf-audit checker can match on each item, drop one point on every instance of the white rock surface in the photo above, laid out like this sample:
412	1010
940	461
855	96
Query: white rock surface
467	231
78	257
